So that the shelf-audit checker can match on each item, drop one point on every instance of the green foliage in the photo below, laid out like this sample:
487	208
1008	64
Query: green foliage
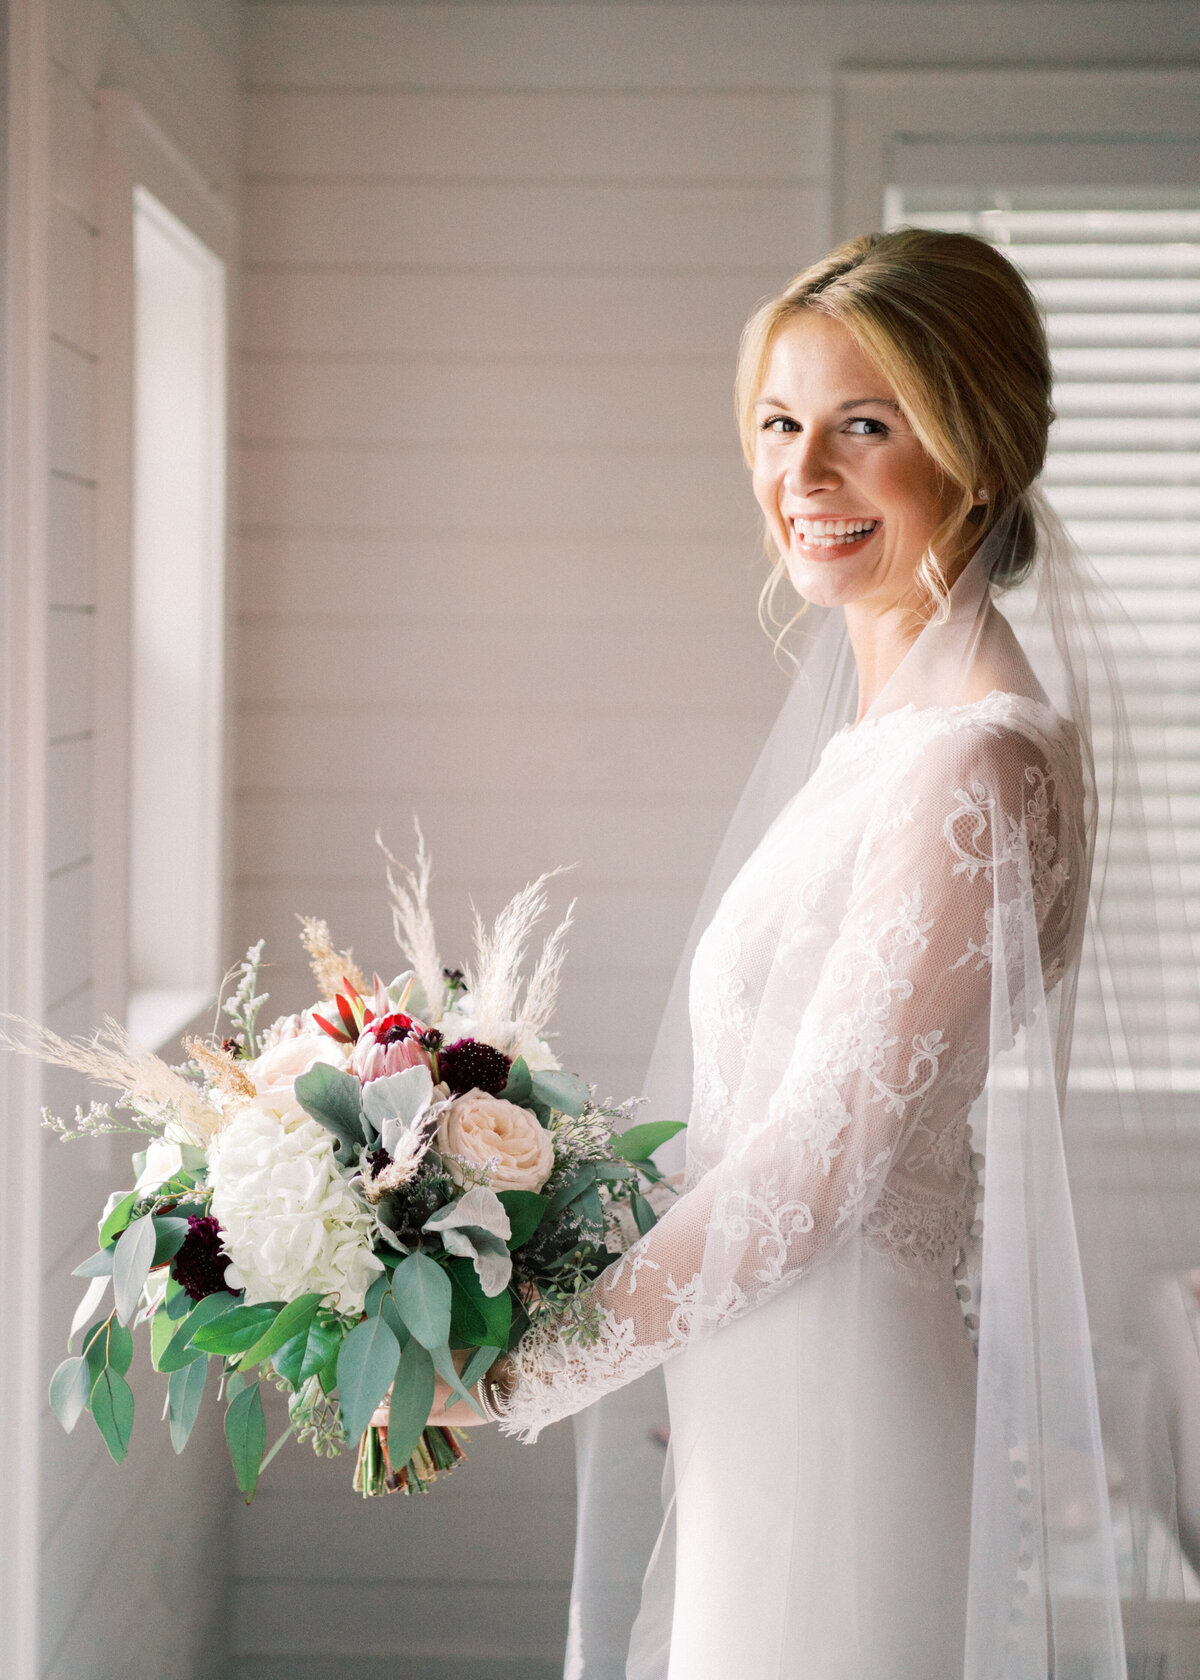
640	1142
246	1434
309	1352
237	1329
569	1192
185	1390
525	1210
563	1091
169	1232
70	1388
412	1402
421	1290
115	1221
475	1317
335	1099
112	1408
132	1258
520	1084
291	1321
179	1350
366	1365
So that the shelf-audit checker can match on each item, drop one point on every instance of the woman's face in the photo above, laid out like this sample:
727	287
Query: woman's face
849	493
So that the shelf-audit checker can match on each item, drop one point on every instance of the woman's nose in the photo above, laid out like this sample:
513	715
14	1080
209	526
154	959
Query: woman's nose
810	466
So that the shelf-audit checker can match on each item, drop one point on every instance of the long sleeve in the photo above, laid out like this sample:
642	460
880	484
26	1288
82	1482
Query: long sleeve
870	1067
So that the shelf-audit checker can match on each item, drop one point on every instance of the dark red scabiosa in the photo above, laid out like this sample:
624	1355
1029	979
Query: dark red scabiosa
471	1065
200	1267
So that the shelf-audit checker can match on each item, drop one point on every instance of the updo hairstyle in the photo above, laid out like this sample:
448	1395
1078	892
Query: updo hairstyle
953	327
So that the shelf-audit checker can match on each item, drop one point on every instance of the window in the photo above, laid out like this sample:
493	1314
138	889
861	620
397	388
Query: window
177	616
1117	271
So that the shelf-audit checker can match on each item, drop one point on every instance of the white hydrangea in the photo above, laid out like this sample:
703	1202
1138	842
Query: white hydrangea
292	1223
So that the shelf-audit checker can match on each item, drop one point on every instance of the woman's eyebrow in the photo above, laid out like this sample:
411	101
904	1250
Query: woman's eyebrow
860	402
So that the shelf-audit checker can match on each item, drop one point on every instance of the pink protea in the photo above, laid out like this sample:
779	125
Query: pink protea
389	1044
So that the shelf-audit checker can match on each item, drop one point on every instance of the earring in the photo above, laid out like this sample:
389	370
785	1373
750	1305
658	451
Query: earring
981	494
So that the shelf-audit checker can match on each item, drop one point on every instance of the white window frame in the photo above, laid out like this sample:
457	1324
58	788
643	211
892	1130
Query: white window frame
134	153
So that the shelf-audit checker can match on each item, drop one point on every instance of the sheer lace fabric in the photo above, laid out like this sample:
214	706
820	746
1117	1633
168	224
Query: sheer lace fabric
840	1003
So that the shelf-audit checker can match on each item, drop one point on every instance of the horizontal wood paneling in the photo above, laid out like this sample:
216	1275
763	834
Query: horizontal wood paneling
505	314
592	750
665	579
667	46
719	136
537	224
526	492
573	404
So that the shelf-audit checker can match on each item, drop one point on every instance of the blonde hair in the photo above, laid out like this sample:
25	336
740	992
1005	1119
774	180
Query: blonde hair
954	329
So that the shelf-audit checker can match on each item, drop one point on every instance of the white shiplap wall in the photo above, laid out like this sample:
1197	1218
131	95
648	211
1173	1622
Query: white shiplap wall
128	1585
499	568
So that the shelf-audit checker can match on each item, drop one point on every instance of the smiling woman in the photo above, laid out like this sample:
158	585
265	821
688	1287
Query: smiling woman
868	1303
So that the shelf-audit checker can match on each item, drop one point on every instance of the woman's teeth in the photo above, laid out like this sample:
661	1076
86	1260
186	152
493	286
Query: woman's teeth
832	533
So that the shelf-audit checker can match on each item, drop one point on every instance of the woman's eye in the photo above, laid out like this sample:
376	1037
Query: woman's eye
878	427
781	421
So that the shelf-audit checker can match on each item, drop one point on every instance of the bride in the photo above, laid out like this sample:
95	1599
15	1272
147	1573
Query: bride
880	1380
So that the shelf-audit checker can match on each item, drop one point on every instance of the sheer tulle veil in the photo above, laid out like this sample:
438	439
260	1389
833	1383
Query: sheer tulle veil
1073	1526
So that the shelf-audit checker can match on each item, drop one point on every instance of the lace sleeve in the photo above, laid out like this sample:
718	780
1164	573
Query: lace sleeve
902	997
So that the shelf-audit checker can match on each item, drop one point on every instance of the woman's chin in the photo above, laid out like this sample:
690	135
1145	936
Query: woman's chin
825	583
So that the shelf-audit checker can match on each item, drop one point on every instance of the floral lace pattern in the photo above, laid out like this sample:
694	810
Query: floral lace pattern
839	1005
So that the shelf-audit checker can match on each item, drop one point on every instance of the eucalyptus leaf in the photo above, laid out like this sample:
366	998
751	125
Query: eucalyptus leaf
566	1193
70	1387
480	1362
477	1317
132	1259
411	1403
308	1352
185	1390
643	1213
118	1347
421	1290
169	1232
179	1350
366	1365
112	1408
443	1362
640	1142
116	1216
563	1091
92	1297
98	1265
237	1330
525	1210
520	1083
292	1320
335	1099
162	1329
246	1433
375	1295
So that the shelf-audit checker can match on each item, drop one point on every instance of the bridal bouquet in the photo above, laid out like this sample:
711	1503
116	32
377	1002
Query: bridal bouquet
395	1183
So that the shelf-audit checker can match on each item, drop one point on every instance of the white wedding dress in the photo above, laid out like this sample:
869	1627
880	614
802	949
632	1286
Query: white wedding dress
813	1293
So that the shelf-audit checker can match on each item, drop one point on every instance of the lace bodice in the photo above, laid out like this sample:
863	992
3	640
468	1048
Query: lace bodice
839	1004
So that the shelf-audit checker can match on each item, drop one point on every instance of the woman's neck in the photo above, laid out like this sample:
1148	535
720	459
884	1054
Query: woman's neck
879	641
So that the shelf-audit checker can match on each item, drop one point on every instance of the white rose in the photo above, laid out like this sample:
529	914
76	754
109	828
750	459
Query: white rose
292	1225
490	1132
276	1071
163	1160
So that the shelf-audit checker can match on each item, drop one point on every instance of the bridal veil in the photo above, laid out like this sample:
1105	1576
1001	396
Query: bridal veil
1074	1559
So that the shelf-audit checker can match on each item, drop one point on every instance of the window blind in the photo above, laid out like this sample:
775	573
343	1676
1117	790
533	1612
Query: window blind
1117	273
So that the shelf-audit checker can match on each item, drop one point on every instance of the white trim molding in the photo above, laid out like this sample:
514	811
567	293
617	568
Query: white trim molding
909	127
22	844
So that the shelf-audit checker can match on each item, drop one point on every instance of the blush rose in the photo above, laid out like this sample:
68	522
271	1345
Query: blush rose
489	1132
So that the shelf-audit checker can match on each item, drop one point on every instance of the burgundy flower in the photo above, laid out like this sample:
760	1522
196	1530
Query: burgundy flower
471	1065
199	1267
